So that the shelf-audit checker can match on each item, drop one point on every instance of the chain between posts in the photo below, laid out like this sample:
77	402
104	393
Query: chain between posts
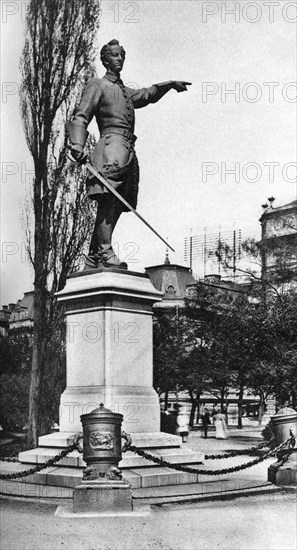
51	462
164	463
231	454
188	469
128	439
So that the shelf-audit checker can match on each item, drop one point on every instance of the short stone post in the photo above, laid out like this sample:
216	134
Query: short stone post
284	421
102	488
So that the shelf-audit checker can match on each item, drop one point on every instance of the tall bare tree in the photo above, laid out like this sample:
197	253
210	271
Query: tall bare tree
57	60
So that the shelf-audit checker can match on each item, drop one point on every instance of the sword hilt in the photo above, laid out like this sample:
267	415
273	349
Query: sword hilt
81	161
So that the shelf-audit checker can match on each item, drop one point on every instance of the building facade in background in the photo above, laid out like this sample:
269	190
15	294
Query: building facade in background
279	242
18	319
5	316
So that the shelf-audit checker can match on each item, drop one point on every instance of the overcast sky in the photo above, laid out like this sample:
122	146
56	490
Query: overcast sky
187	142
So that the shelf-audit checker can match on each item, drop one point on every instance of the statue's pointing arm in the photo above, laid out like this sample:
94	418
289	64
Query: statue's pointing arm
77	128
144	96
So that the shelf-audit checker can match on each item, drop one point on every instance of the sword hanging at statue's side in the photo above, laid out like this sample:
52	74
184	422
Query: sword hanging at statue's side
120	198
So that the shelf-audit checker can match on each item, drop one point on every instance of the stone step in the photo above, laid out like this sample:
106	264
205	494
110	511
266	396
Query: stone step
153	440
37	491
146	482
158	477
15	467
57	439
69	477
174	456
129	460
157	495
203	492
144	477
42	454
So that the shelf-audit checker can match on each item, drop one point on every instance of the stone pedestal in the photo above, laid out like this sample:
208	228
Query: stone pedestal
284	424
102	496
284	421
109	360
285	474
109	348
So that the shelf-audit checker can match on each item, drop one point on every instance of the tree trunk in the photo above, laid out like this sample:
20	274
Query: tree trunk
240	398
294	399
38	359
33	423
194	404
176	400
51	76
166	400
192	413
222	399
278	401
198	409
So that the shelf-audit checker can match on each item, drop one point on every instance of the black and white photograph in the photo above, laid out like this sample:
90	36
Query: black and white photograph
148	312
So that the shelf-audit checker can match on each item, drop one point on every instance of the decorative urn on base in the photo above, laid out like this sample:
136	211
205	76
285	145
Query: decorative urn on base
103	489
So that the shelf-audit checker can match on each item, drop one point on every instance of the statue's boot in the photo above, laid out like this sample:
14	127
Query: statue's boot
108	258
91	262
101	252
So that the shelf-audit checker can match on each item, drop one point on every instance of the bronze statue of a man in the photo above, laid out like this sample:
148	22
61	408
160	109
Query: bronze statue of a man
114	156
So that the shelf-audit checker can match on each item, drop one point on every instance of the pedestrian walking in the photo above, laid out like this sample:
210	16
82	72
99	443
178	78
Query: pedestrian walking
205	420
221	426
183	423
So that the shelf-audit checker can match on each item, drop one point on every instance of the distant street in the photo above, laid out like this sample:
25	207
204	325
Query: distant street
255	523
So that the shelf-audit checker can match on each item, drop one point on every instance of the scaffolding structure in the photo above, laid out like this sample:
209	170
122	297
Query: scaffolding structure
202	251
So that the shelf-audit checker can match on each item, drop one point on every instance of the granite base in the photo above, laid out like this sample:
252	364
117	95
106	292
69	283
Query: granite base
102	496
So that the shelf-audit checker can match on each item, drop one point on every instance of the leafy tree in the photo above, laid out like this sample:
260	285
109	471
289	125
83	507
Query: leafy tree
264	283
170	346
273	330
282	325
217	344
57	58
16	358
176	341
184	356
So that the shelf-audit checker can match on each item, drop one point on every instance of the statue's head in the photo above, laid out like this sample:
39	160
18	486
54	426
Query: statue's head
112	56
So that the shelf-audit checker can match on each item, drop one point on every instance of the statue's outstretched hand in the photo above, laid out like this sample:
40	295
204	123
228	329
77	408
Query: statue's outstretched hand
180	85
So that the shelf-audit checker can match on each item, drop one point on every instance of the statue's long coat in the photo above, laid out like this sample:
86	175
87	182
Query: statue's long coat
114	156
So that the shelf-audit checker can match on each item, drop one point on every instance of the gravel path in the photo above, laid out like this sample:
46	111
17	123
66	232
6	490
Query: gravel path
262	522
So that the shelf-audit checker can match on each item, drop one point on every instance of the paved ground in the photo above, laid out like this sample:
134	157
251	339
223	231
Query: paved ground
238	439
258	522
